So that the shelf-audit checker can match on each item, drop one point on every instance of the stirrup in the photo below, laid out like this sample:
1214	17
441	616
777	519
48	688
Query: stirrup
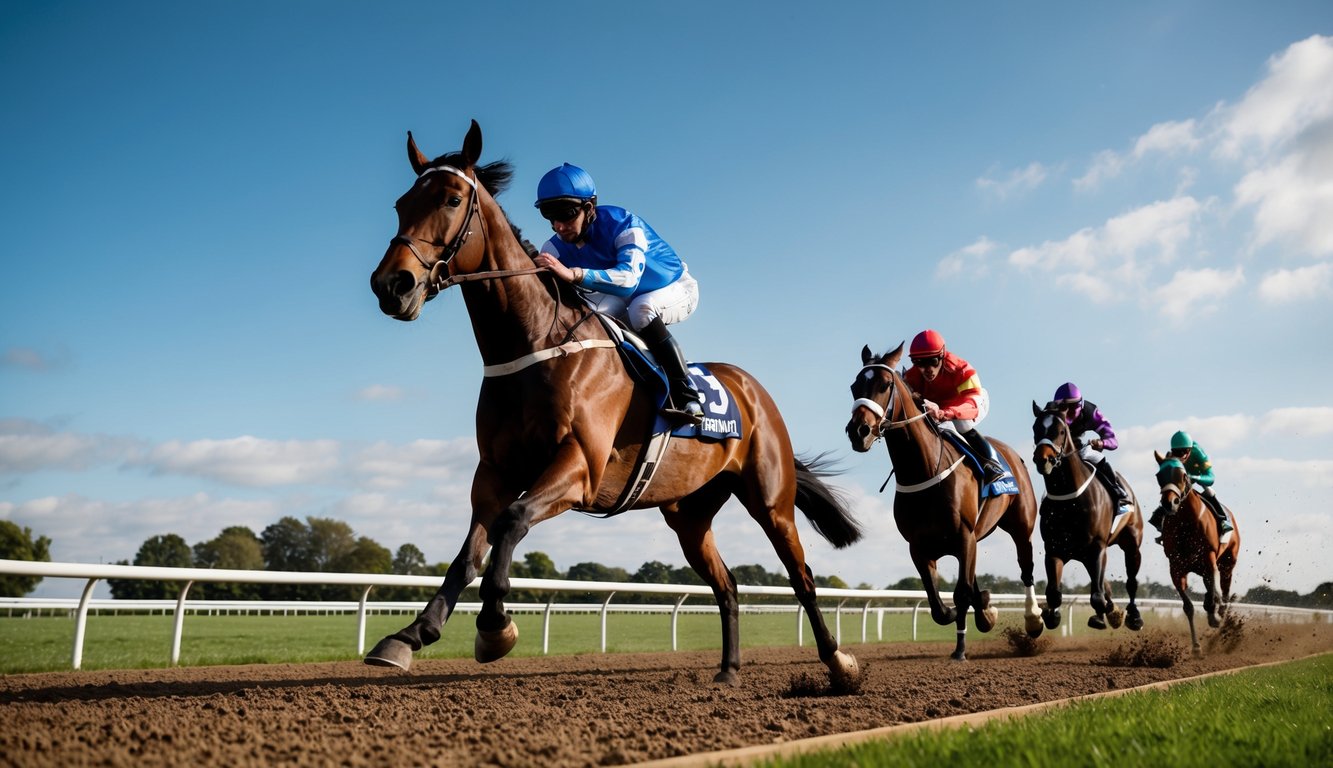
991	472
690	413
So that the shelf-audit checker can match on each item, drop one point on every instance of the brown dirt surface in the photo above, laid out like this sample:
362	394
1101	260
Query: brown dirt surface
572	711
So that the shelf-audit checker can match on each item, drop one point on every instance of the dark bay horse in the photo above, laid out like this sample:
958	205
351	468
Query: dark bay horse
938	510
1076	524
560	423
1189	538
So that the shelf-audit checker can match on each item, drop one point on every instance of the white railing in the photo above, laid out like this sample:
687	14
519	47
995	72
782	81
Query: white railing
864	599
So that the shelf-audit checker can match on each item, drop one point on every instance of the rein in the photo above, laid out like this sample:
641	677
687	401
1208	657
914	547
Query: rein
437	282
1063	450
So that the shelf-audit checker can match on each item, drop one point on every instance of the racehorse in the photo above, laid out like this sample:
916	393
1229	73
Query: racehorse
1077	517
939	511
1189	538
560	423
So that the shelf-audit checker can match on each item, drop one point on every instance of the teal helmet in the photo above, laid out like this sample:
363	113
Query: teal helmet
568	182
1181	440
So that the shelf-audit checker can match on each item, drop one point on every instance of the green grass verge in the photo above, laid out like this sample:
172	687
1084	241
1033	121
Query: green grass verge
1275	716
45	643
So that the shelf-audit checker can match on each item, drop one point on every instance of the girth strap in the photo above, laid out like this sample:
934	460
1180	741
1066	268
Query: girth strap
504	369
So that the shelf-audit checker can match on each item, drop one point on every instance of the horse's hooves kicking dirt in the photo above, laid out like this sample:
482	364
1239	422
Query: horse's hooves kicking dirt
390	652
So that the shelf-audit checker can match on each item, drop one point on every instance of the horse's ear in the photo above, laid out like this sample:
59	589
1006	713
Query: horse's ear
866	355
1036	411
892	358
1156	454
419	161
472	145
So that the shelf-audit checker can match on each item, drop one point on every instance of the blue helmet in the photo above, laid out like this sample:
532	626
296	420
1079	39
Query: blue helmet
1068	393
567	181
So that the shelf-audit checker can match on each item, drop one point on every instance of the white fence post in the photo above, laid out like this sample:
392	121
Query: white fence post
81	622
361	621
179	625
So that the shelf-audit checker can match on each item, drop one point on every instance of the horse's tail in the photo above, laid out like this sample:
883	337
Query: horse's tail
826	508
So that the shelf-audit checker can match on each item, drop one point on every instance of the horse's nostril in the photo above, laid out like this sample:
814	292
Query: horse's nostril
403	283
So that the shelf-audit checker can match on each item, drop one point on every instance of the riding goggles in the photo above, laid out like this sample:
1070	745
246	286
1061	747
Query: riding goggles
560	212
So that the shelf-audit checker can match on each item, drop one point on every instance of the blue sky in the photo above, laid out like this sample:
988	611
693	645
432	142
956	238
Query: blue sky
1134	197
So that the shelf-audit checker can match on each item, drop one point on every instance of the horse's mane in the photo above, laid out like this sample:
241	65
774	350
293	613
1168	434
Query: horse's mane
495	177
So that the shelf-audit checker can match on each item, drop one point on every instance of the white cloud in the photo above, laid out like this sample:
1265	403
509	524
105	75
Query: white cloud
1296	95
969	260
246	460
1301	284
1194	292
1167	138
1106	165
26	446
1310	473
378	392
1113	260
1016	181
1300	422
1292	200
386	465
33	360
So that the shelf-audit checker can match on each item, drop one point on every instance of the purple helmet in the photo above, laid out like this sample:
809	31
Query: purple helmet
1068	393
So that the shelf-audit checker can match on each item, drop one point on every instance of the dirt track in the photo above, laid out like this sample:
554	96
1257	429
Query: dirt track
568	711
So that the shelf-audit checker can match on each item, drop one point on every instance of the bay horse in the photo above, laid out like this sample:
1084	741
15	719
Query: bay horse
560	423
1189	538
1077	515
939	511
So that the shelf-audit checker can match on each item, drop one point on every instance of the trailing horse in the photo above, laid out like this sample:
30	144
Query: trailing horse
1191	543
561	425
1078	523
939	511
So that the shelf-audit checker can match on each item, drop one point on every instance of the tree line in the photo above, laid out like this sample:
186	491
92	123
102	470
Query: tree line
325	545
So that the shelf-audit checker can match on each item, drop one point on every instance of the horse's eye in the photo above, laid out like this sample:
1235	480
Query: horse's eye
454	201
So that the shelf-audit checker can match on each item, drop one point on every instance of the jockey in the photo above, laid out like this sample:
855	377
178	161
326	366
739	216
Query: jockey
627	271
1199	470
1084	416
952	391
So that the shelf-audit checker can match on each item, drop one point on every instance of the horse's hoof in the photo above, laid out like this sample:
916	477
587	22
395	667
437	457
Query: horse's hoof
843	671
390	652
727	676
1051	616
1213	621
1032	622
1134	621
1196	652
1116	617
986	619
492	645
1096	622
958	656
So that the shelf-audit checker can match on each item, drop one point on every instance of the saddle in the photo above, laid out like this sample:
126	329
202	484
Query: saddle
721	421
1005	486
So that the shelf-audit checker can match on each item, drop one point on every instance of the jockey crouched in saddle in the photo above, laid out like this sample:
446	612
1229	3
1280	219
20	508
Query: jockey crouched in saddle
1084	416
951	391
1199	470
627	271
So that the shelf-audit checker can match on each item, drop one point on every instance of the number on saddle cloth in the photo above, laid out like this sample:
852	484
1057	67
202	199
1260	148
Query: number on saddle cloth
722	419
1005	486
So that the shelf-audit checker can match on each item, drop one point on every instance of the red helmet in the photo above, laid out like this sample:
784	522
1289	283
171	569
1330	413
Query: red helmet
927	344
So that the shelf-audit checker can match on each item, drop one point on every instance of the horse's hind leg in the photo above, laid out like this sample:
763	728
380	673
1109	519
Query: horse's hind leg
692	521
1051	613
1031	612
396	649
1099	595
1182	586
1212	595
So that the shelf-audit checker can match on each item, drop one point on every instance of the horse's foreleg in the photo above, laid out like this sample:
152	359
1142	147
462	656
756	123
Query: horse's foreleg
1098	593
1031	612
1133	559
1182	586
558	488
1054	569
925	566
396	649
1212	596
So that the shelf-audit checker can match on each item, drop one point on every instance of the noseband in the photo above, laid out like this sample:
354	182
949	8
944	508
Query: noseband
1062	450
435	278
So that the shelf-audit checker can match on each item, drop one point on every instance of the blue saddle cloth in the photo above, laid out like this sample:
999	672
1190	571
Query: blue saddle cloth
1005	486
722	419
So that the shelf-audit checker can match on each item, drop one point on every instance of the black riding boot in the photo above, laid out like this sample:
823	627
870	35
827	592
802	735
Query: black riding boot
1118	493
683	399
985	452
1215	506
